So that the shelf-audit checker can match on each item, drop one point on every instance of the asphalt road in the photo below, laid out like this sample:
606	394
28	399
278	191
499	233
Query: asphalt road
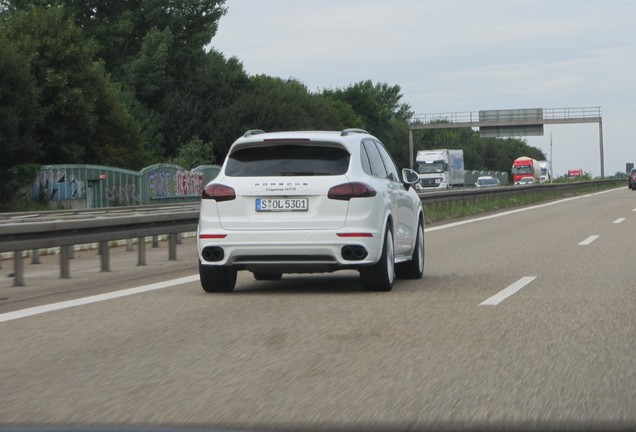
523	319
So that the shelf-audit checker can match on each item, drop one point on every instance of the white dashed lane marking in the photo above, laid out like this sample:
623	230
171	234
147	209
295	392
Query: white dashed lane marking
588	240
507	292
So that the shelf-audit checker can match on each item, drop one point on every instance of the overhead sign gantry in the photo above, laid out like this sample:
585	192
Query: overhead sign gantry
509	123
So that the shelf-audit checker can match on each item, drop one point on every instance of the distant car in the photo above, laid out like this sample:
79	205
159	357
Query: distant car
310	202
526	181
487	182
631	179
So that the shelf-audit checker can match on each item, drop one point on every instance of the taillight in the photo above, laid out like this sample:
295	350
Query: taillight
346	191
218	192
355	234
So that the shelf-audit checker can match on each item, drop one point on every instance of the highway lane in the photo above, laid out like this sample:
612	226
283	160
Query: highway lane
318	351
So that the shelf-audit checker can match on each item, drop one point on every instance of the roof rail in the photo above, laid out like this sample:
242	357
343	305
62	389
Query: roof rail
253	132
346	132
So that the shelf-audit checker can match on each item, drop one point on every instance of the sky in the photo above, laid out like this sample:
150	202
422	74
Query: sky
460	56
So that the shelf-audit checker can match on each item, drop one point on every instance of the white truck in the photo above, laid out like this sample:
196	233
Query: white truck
546	171
440	169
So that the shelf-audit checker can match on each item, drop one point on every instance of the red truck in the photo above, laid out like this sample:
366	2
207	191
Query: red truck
525	167
575	173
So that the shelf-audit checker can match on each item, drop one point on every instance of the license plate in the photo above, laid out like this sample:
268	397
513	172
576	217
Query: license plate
281	204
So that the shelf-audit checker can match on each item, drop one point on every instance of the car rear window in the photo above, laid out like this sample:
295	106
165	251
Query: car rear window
287	160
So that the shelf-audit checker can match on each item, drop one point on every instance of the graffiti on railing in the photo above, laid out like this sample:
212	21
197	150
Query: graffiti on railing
159	183
98	186
52	183
188	183
123	194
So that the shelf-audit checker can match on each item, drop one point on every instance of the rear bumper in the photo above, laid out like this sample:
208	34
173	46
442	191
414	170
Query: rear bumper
290	251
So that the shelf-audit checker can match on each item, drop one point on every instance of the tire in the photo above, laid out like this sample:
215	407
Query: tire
217	278
267	276
413	268
380	276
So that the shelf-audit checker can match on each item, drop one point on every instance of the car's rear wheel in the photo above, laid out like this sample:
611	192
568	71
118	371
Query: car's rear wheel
413	268
217	278
380	276
267	276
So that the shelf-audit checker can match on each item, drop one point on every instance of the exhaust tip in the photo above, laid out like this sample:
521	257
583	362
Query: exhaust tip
354	253
212	253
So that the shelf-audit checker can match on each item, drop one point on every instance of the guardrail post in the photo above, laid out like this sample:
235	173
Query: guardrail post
104	252
172	247
35	256
18	269
65	259
141	251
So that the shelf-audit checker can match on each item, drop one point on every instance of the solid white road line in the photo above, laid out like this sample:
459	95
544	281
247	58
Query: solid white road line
507	292
588	240
619	220
23	313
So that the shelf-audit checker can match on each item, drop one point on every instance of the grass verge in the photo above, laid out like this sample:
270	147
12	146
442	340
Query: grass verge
443	211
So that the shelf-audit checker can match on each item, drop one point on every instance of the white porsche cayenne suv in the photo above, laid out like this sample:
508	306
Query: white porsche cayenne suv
310	202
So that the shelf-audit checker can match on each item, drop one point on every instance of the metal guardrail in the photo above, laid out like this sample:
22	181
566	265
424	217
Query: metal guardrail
65	229
95	212
67	232
474	194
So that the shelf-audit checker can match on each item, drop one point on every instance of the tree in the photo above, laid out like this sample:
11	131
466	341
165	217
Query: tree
117	140
382	113
620	175
149	73
194	107
275	104
378	104
155	49
81	118
120	27
194	153
18	116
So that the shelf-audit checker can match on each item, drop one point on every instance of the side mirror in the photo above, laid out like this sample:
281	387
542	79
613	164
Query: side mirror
409	176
